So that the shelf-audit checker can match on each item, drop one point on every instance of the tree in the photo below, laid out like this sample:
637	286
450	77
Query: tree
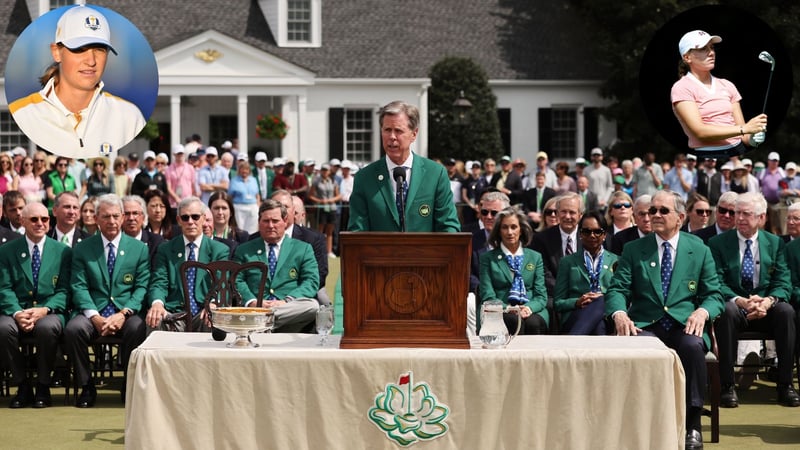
621	32
476	140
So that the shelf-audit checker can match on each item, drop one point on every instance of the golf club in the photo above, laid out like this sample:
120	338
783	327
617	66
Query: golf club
767	58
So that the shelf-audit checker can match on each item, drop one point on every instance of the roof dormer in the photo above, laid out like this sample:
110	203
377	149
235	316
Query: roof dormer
294	23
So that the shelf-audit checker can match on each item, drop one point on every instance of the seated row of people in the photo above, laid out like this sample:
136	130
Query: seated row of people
107	285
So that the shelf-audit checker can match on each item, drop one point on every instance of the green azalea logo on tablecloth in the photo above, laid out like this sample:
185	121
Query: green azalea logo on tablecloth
409	412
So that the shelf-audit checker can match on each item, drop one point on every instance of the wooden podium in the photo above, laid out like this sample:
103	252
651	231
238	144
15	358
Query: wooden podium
405	289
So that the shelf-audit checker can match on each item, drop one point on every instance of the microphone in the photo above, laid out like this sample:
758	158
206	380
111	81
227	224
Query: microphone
399	175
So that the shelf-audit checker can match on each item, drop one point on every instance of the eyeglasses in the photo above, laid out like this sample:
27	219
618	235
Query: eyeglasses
62	164
111	216
621	205
643	213
186	217
43	219
703	212
725	211
486	212
663	210
593	232
550	212
161	163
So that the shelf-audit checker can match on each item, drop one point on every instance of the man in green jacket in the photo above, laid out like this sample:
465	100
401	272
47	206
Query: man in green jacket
110	276
666	285
293	275
166	290
428	199
756	288
34	290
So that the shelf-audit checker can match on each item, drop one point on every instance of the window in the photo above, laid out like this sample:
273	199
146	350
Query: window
359	135
564	133
221	129
298	23
59	3
10	135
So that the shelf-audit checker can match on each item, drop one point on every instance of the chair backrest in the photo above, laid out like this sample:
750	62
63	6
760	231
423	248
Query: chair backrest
222	290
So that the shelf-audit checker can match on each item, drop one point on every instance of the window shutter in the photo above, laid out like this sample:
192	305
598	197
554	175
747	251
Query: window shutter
336	133
545	129
590	129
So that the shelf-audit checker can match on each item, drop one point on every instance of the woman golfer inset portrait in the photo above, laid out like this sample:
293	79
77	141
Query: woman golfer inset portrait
708	107
72	115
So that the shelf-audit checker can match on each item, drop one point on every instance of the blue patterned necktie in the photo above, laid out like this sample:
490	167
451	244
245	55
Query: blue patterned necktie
191	279
36	264
594	270
517	295
272	263
110	309
666	275
748	267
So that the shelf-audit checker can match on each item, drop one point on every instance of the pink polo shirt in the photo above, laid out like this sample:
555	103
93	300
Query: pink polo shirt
715	105
181	179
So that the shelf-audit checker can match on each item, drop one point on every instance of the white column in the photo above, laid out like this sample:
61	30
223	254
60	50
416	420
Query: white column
422	136
243	124
290	146
175	120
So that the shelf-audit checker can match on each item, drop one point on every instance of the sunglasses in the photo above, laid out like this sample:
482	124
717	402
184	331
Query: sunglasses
486	212
703	212
550	212
725	211
44	219
593	232
38	160
62	165
621	205
663	210
186	217
99	164
27	164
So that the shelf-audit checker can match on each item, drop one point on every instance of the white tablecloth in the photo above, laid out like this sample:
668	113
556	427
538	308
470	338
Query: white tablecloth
187	391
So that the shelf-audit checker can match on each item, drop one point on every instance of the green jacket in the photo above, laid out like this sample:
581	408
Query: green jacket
774	278
167	284
793	262
496	278
16	278
91	286
429	204
572	281
636	284
296	273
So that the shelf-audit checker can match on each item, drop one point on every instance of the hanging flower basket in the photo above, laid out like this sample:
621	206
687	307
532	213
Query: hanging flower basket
271	126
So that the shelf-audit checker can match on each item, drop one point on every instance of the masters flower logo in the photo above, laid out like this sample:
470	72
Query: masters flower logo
409	412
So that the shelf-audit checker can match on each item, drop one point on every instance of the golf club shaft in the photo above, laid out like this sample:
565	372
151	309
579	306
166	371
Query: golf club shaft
766	96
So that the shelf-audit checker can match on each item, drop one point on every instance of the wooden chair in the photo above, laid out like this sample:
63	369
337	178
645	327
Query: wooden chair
222	291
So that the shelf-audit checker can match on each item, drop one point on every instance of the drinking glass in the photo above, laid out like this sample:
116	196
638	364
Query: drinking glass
324	323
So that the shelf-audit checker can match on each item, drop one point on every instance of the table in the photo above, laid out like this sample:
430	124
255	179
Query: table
578	392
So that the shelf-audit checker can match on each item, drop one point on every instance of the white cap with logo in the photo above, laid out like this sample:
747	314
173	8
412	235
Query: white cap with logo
80	26
696	39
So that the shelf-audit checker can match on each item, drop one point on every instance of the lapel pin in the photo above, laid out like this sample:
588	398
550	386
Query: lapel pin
258	252
121	252
180	255
605	266
652	264
23	255
380	177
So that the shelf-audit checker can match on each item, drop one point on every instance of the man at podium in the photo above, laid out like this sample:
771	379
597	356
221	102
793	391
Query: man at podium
403	191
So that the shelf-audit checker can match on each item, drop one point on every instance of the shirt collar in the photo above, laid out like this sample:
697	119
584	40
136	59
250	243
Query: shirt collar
506	251
673	241
197	241
114	241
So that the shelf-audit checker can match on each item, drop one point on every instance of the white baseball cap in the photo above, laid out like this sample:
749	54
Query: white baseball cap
696	39
148	154
19	151
241	156
309	162
227	145
80	26
773	156
791	166
346	164
335	162
261	156
210	150
278	161
691	156
178	148
747	162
